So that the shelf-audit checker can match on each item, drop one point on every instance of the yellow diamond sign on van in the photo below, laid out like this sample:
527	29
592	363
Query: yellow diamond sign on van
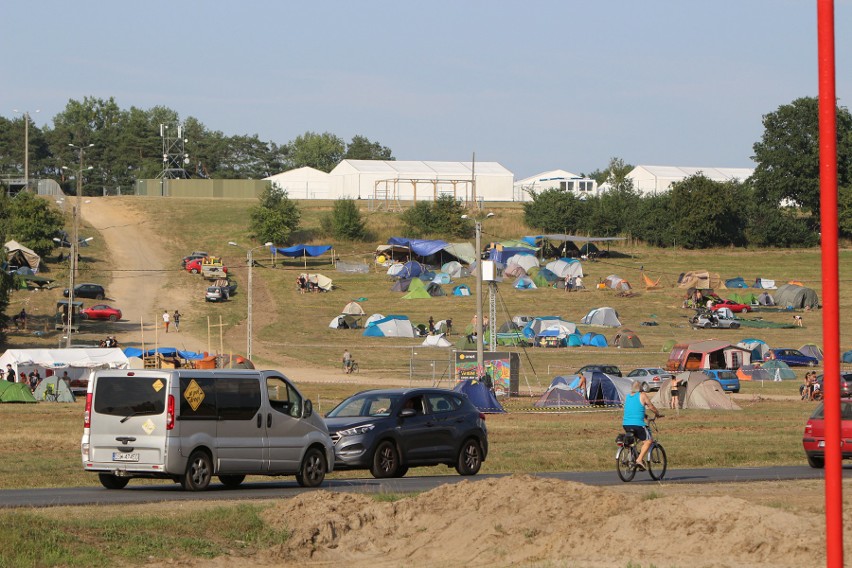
193	394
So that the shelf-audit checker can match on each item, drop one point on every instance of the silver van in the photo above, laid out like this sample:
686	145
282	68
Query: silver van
189	425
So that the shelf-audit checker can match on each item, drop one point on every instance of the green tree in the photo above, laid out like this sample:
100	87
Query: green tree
320	151
32	222
275	217
615	173
442	217
652	220
706	213
418	220
554	211
345	222
360	148
787	155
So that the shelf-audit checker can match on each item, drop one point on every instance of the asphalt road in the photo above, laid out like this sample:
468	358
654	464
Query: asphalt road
287	487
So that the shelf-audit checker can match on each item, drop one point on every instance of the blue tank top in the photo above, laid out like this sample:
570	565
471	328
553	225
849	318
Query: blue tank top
634	411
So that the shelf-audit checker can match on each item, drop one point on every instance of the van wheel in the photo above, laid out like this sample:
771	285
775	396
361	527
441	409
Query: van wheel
111	481
199	471
385	460
231	481
470	458
312	471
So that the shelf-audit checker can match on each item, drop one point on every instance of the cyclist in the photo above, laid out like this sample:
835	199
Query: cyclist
634	421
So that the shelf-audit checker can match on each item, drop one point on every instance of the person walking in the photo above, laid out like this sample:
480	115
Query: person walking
347	361
176	321
166	319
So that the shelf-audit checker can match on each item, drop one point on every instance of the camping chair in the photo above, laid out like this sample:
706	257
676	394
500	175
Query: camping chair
50	394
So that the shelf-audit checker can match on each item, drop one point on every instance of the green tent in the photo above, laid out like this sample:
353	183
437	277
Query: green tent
416	290
746	298
667	346
778	369
15	392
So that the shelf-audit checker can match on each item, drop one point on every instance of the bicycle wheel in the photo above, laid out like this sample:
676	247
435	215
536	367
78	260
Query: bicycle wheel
657	462
625	459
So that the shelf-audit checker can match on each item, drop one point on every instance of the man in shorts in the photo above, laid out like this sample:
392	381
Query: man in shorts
634	421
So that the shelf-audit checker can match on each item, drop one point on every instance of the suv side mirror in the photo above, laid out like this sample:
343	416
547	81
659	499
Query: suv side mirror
309	409
406	412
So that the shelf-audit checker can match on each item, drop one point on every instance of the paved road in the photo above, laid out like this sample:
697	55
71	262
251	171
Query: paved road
287	487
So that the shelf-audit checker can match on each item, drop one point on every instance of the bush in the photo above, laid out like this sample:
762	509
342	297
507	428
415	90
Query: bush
345	221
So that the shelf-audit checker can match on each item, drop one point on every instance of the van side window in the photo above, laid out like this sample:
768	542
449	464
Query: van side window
238	399
197	398
283	397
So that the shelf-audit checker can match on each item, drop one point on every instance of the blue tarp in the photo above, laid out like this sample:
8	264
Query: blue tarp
301	250
165	351
420	247
507	253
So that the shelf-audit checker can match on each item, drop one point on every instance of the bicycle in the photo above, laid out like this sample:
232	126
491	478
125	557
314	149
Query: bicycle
353	367
625	456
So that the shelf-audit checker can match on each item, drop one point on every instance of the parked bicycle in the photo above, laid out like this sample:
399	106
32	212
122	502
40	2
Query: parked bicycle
625	456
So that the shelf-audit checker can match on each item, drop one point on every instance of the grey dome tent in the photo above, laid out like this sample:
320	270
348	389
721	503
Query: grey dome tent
627	339
560	395
53	389
606	317
794	296
700	392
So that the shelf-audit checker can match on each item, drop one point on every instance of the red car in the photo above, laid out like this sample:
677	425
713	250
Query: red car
814	438
194	266
735	307
101	312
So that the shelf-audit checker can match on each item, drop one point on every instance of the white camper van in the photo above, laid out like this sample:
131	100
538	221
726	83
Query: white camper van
190	425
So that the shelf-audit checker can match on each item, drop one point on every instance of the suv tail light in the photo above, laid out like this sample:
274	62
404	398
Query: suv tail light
170	413
87	415
809	428
481	416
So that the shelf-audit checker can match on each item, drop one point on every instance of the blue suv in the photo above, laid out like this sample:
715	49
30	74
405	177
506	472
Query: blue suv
728	379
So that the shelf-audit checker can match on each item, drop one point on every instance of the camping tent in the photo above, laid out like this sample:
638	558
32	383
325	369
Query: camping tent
53	389
560	395
525	283
461	290
434	290
617	283
402	284
395	268
441	278
390	326
793	296
416	290
353	309
525	261
746	298
812	350
753	373
764	283
606	390
778	370
700	392
566	267
627	339
759	349
19	255
77	361
700	279
707	354
606	317
594	340
373	318
15	392
737	282
765	299
480	395
411	269
344	322
320	281
514	271
436	341
455	269
539	324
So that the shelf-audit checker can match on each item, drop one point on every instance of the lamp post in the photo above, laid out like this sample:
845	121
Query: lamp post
75	242
480	328
250	262
26	148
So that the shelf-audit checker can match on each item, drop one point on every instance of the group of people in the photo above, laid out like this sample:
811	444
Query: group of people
810	390
171	320
109	341
433	329
573	283
33	379
305	284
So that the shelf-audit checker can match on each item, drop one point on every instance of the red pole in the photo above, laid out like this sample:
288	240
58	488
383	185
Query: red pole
830	284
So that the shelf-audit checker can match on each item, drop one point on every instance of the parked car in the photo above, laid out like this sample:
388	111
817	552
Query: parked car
608	369
194	265
735	307
93	291
793	357
650	377
101	312
845	384
813	439
728	379
195	255
390	430
721	319
215	294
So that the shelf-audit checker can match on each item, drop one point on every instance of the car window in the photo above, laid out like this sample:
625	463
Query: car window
415	403
364	405
845	411
283	397
439	403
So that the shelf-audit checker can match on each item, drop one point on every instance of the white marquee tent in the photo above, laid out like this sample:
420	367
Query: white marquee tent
77	361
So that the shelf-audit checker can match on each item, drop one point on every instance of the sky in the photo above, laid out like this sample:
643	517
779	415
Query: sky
535	85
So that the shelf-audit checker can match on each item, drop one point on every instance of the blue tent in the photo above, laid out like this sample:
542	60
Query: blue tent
390	326
575	340
603	390
480	395
737	282
525	283
461	290
164	351
847	357
571	381
426	275
410	269
594	340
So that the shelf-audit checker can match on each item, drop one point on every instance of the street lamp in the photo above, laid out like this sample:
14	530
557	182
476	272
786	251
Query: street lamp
480	328
26	147
250	262
75	243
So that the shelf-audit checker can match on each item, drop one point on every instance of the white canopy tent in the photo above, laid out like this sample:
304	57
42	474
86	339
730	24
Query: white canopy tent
77	361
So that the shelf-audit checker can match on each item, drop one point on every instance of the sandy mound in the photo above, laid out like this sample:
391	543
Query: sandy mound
524	520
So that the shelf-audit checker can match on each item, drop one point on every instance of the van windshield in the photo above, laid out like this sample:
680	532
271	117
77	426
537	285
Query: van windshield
125	396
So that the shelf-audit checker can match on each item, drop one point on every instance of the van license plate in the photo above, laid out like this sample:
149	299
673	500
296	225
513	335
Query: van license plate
125	457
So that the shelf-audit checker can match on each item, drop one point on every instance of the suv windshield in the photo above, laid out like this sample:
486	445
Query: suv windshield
125	396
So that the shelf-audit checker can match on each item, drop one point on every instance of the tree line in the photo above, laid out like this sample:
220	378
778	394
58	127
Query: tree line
126	146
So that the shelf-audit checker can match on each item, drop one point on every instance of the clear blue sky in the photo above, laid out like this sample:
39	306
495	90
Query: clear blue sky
534	85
